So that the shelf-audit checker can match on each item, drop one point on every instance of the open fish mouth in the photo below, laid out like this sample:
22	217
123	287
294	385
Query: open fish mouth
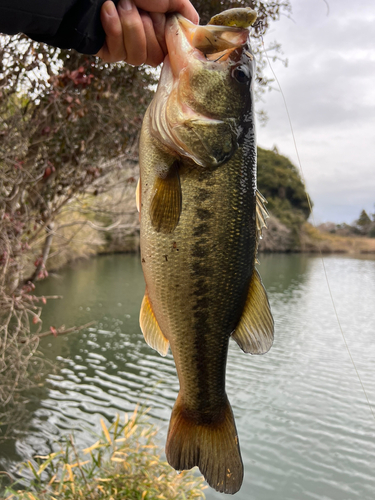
206	43
201	60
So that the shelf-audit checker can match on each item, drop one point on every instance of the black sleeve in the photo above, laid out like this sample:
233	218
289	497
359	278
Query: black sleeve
68	24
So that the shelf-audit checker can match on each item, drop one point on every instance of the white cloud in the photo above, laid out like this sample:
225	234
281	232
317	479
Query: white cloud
329	87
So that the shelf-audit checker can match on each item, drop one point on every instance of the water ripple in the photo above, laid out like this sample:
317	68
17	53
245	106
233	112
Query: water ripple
305	428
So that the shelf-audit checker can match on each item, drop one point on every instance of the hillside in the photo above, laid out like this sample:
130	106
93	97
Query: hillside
288	230
279	181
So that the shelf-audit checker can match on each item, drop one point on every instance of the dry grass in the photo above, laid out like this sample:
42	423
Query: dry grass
95	223
123	464
313	240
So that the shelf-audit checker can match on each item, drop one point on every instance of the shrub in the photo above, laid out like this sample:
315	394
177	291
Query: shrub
123	464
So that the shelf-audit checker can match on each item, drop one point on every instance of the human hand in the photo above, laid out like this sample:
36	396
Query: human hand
135	30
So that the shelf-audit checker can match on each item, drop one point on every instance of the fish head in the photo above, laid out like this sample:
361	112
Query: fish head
204	104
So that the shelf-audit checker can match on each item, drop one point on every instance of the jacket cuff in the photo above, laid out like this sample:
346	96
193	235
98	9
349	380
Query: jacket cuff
81	28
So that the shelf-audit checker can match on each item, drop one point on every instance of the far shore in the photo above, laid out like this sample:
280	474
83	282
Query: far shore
276	239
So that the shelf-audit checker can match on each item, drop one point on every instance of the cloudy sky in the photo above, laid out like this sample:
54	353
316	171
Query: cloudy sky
329	86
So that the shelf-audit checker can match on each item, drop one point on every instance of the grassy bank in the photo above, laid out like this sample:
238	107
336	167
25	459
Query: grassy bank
279	238
93	239
314	240
123	464
107	221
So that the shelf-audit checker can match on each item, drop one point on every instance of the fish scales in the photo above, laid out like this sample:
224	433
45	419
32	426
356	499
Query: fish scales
199	236
207	271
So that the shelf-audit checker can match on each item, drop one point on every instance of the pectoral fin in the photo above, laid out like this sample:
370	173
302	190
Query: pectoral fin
254	332
165	208
151	329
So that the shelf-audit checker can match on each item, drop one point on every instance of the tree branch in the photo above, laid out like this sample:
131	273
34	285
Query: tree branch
58	333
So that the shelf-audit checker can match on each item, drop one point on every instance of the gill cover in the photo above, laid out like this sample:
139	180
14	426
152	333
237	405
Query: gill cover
199	64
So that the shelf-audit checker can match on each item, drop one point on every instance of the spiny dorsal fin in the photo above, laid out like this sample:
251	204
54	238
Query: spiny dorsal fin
254	332
151	329
261	214
165	206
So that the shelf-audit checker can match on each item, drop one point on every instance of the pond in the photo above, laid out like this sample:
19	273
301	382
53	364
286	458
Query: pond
305	427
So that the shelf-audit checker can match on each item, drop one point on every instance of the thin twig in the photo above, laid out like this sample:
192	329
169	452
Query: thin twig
7	474
58	332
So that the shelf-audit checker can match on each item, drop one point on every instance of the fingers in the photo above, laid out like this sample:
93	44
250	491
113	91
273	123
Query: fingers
184	7
133	33
113	49
158	21
155	54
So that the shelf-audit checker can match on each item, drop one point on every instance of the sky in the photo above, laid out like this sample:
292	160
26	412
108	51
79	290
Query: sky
329	86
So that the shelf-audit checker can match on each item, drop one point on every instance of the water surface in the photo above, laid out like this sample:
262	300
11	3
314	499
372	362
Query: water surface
305	428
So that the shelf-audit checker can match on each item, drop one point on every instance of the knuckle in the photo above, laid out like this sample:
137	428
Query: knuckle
130	19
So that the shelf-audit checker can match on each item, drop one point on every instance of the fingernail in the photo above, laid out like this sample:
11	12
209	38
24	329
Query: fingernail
125	4
109	9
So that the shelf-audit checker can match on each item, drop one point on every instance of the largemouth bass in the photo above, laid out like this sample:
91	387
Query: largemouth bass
201	218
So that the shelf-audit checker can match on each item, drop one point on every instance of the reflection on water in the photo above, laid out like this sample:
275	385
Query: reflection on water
305	429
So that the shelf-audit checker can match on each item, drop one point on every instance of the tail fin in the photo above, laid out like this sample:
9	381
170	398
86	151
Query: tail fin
212	447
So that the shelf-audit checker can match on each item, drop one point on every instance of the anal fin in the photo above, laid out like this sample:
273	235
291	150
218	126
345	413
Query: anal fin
254	332
151	329
165	208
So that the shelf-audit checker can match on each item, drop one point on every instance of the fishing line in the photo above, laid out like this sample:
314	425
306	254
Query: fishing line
314	224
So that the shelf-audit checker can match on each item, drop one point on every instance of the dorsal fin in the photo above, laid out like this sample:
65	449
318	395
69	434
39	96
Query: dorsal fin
261	214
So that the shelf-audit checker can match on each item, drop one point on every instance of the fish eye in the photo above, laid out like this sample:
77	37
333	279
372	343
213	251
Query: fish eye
241	74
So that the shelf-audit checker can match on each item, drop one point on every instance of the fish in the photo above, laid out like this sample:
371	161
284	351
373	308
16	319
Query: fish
201	218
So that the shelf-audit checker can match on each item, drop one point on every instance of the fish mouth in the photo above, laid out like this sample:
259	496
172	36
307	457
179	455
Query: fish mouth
206	43
177	114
